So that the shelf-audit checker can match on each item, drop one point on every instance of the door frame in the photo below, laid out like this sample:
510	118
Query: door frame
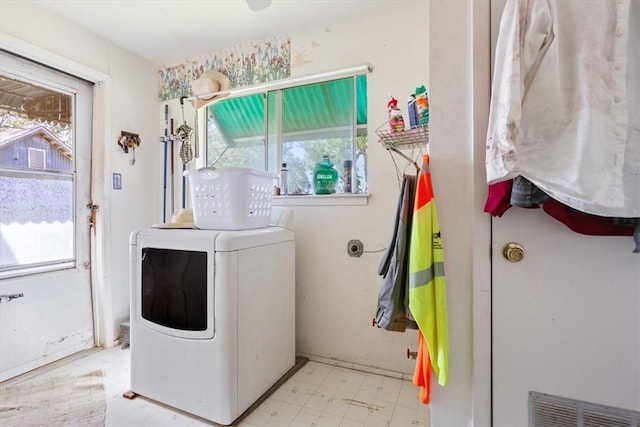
482	347
466	87
101	294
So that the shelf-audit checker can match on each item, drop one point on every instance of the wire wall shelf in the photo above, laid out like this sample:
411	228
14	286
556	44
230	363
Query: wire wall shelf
417	137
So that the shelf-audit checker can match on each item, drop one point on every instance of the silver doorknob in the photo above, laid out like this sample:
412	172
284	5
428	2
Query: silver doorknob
513	252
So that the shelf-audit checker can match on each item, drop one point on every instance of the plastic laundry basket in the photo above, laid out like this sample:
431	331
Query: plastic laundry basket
227	198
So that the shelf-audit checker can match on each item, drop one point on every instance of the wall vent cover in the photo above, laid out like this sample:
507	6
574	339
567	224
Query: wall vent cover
546	410
37	158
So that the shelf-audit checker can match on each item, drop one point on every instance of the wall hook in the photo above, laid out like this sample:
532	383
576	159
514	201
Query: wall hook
129	140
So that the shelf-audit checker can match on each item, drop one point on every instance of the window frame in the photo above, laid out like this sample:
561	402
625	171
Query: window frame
278	87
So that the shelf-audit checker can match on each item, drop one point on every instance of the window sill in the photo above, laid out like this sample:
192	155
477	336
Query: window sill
322	200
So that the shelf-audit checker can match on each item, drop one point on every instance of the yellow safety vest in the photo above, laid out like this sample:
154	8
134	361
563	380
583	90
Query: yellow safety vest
427	283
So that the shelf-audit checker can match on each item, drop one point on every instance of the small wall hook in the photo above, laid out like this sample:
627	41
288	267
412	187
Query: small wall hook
128	140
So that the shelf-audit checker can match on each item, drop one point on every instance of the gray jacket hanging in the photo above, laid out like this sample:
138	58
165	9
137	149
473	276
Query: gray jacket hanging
393	301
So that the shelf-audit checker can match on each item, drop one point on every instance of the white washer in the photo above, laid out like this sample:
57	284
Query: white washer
212	316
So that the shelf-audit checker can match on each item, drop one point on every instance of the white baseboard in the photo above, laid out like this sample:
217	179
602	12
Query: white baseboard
357	366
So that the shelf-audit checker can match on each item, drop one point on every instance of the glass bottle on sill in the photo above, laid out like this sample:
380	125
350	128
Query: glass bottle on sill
325	176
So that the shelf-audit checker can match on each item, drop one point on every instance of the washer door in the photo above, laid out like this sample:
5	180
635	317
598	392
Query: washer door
174	286
174	290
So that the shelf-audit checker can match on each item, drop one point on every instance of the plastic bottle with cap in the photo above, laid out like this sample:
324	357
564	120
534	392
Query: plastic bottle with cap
396	121
284	179
422	105
413	111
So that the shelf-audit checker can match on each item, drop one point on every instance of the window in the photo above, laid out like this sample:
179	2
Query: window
296	125
40	181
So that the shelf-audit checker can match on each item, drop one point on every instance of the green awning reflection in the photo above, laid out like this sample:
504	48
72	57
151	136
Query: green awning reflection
308	109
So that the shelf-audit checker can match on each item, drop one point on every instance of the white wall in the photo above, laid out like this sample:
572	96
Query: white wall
337	294
444	45
452	134
422	42
125	100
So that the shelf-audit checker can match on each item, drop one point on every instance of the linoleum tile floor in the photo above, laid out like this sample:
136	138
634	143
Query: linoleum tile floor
317	395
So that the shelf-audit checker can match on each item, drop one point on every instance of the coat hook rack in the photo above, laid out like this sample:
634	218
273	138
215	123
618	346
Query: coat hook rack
129	140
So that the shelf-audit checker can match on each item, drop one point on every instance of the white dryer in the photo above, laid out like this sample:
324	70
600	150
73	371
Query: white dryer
212	316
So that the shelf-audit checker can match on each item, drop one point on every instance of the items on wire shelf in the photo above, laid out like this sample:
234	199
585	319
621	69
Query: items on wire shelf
394	133
395	136
417	137
408	139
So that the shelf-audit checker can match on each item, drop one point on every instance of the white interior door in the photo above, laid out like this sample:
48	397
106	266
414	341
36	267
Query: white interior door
566	318
45	159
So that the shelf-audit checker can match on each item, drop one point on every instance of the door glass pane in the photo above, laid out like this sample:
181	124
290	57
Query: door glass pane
174	288
36	175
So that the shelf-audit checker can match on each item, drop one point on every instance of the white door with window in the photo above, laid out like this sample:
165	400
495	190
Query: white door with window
45	267
565	318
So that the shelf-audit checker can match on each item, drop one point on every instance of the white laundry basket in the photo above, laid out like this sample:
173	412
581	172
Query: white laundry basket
228	198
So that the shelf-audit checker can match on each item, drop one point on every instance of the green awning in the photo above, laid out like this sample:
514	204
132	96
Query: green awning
306	109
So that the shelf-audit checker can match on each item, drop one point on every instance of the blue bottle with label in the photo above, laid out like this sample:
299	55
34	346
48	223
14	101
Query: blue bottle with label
325	176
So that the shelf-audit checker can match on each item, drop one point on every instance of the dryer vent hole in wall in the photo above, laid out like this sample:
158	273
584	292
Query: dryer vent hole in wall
355	248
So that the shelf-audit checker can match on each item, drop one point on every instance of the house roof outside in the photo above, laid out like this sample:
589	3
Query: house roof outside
11	137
